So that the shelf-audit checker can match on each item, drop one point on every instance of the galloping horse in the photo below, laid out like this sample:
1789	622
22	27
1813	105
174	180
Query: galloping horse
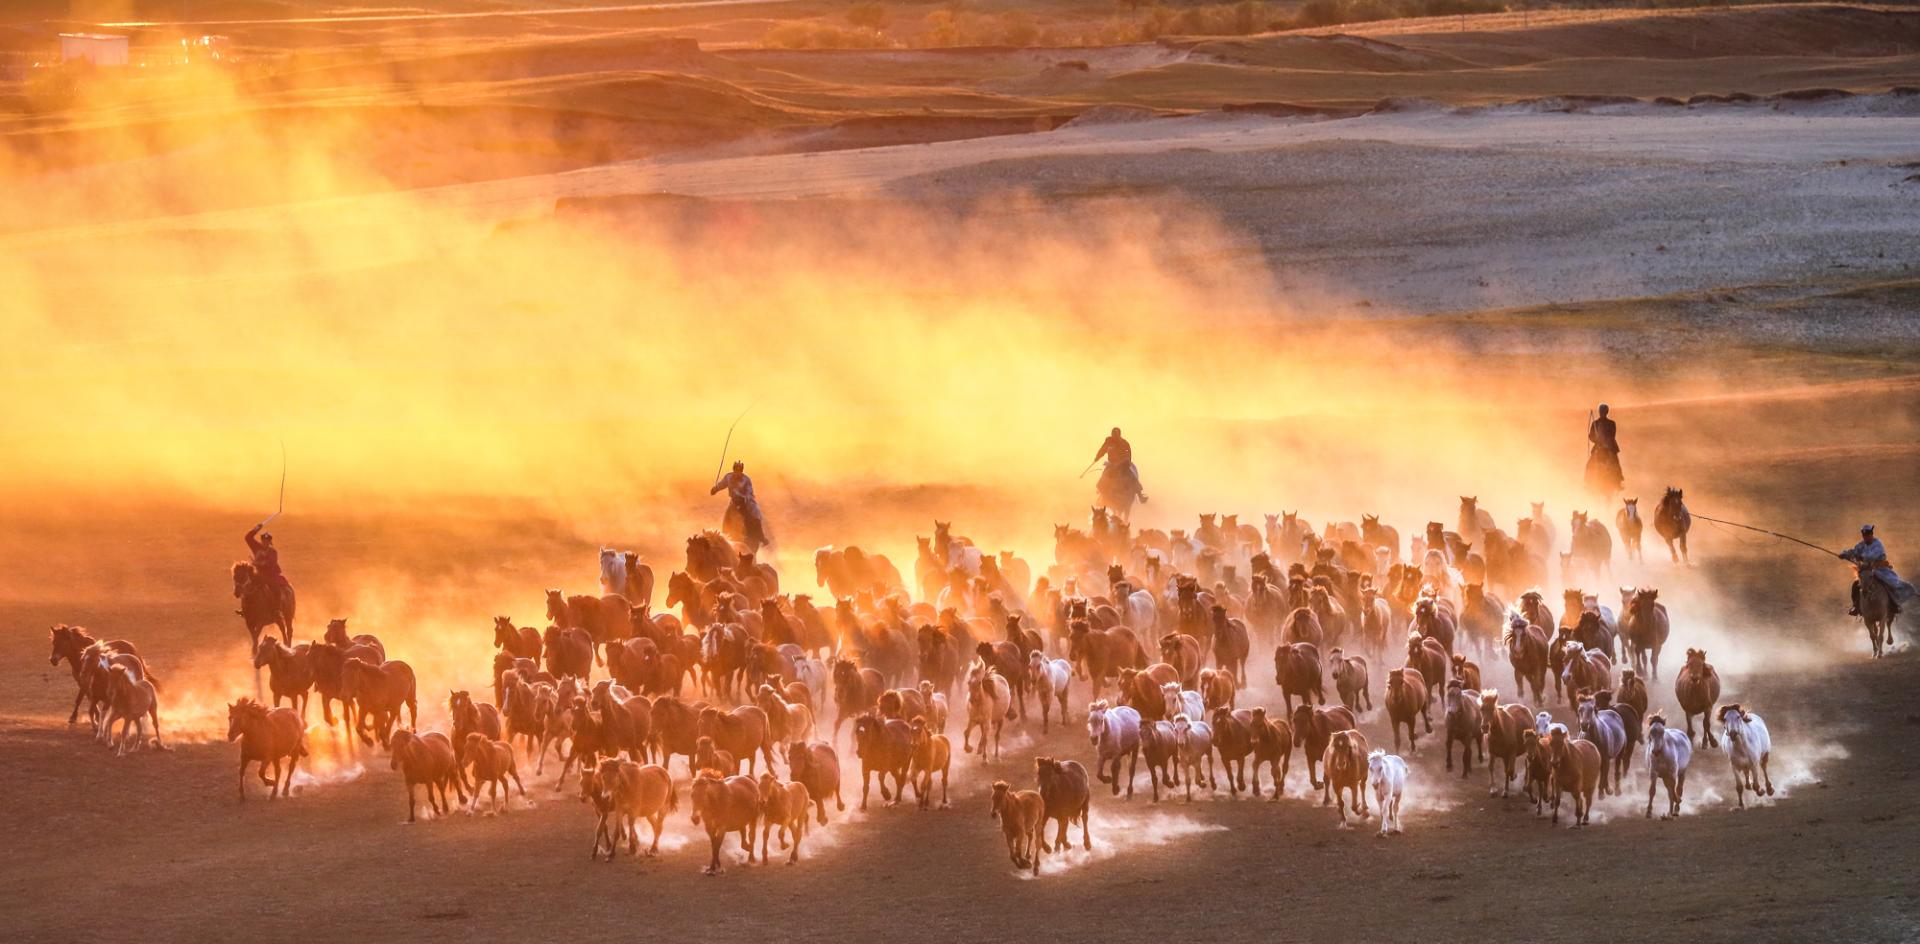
262	604
1876	610
1672	521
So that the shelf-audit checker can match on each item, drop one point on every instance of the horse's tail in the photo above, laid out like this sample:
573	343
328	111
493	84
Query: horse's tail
152	679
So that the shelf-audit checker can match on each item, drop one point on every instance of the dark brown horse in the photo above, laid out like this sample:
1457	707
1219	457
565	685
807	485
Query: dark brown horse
71	643
1645	627
262	604
1673	521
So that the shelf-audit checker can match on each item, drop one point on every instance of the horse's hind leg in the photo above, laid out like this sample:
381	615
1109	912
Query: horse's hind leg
1764	758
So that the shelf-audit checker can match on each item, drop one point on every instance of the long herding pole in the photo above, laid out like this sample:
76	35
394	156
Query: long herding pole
729	441
283	485
1776	534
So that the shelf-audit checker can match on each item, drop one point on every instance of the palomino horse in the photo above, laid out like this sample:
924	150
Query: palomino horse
1673	521
1876	610
262	604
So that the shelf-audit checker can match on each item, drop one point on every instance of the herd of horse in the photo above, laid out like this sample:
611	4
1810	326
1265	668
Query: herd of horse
1155	631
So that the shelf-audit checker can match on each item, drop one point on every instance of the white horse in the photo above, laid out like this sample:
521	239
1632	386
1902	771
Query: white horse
1194	739
613	572
988	697
1115	733
1608	733
1141	611
1748	748
812	673
964	558
1542	723
1387	778
1050	679
1179	701
1668	753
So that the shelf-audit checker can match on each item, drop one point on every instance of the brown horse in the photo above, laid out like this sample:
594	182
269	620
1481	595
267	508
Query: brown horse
1272	746
1672	521
1876	611
622	790
1100	654
72	643
1022	816
427	760
289	672
132	702
1407	702
378	692
1346	772
262	604
570	651
1313	730
723	806
1296	669
521	642
1426	654
1527	652
267	737
1508	728
709	554
782	806
742	731
885	746
932	753
1068	796
817	766
1574	767
469	716
1645	627
1697	688
492	764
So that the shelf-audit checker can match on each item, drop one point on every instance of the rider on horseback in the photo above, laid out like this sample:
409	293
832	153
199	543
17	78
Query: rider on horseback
1870	557
743	521
266	559
1603	455
1120	477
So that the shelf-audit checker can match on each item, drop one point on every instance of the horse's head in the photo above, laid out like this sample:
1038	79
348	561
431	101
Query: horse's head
67	643
1097	721
242	576
243	714
264	653
1468	504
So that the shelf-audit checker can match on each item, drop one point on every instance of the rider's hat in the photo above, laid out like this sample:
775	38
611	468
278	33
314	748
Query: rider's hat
738	465
1866	529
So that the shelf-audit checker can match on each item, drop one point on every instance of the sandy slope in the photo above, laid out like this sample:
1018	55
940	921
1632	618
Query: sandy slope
1417	211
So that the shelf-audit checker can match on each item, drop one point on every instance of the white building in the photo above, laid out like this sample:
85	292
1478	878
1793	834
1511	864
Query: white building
100	49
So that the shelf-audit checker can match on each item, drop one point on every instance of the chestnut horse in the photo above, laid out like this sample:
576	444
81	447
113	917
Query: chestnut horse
267	737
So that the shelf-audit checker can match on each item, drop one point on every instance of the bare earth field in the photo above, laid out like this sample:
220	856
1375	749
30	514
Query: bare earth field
1738	276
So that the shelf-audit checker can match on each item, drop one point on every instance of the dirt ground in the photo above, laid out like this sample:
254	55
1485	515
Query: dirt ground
163	841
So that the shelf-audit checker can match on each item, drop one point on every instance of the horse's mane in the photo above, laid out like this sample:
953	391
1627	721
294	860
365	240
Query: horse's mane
242	567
